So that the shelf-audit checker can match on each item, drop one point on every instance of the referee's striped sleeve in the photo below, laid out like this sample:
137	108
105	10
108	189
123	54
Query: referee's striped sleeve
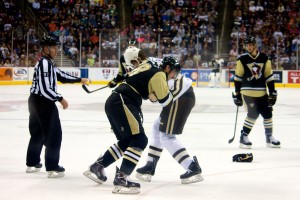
65	77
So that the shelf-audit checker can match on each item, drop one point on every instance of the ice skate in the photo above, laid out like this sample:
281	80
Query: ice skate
123	185
33	169
272	142
245	142
96	172
193	174
145	173
57	173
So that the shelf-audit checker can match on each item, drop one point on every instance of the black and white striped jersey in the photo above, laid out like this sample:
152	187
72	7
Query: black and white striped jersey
45	79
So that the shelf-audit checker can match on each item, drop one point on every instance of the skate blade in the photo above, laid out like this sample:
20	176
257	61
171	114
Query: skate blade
143	177
270	145
89	175
125	190
54	174
193	179
32	170
243	146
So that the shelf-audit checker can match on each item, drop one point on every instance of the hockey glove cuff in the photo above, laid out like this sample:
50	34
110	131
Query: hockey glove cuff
237	99
152	97
243	157
113	83
272	98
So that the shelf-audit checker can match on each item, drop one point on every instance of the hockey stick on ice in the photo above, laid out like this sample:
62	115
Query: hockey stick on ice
90	91
237	111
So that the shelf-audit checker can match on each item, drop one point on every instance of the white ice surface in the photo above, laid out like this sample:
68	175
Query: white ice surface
273	174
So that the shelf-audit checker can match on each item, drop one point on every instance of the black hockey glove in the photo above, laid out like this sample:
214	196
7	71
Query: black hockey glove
272	98
237	99
243	157
113	83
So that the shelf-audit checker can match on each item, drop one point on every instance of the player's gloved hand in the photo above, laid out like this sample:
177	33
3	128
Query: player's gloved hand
113	83
272	98
237	99
152	97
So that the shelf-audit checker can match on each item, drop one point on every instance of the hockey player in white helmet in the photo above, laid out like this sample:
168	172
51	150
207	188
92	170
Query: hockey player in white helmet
131	56
124	69
171	123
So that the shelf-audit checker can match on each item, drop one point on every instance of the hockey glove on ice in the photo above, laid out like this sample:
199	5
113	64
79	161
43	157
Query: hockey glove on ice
243	157
237	99
113	83
272	98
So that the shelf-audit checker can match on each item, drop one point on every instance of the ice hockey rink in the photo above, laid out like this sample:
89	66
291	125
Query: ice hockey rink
273	174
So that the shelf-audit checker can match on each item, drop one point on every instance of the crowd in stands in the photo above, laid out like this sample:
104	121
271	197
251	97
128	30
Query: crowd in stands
14	31
185	28
275	25
182	28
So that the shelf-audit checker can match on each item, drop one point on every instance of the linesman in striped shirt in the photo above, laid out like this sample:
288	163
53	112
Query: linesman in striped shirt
44	123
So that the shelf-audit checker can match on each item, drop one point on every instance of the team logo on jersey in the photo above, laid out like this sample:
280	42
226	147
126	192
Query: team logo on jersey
256	70
46	74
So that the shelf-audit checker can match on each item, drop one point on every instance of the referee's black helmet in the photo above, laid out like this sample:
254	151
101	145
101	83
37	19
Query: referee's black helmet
49	41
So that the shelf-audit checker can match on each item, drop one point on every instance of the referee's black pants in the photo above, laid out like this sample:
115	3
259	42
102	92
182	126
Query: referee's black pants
45	129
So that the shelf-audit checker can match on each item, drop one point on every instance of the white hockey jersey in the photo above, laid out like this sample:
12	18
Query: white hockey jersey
179	86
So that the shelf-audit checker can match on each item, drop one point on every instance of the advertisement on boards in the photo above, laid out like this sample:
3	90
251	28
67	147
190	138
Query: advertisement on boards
294	77
277	76
20	73
203	75
103	74
6	73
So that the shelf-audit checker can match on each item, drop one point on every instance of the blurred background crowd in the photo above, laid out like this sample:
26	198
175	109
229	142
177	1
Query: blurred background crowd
94	33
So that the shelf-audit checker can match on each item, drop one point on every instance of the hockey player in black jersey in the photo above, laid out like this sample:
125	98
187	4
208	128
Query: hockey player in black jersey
44	123
170	123
123	110
253	75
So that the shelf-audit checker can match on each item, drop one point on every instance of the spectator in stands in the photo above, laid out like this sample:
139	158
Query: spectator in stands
22	62
2	63
4	51
73	51
233	53
94	38
112	44
189	63
191	47
7	63
177	39
90	60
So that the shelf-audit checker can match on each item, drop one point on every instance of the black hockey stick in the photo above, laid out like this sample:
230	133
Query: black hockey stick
237	111
90	91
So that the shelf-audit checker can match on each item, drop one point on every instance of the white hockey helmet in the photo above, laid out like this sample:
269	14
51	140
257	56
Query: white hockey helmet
131	54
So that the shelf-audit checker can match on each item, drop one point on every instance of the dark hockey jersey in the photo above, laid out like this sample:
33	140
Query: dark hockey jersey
252	74
142	81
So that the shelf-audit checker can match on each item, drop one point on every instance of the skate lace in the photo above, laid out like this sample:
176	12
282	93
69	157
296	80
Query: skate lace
125	178
246	140
272	139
